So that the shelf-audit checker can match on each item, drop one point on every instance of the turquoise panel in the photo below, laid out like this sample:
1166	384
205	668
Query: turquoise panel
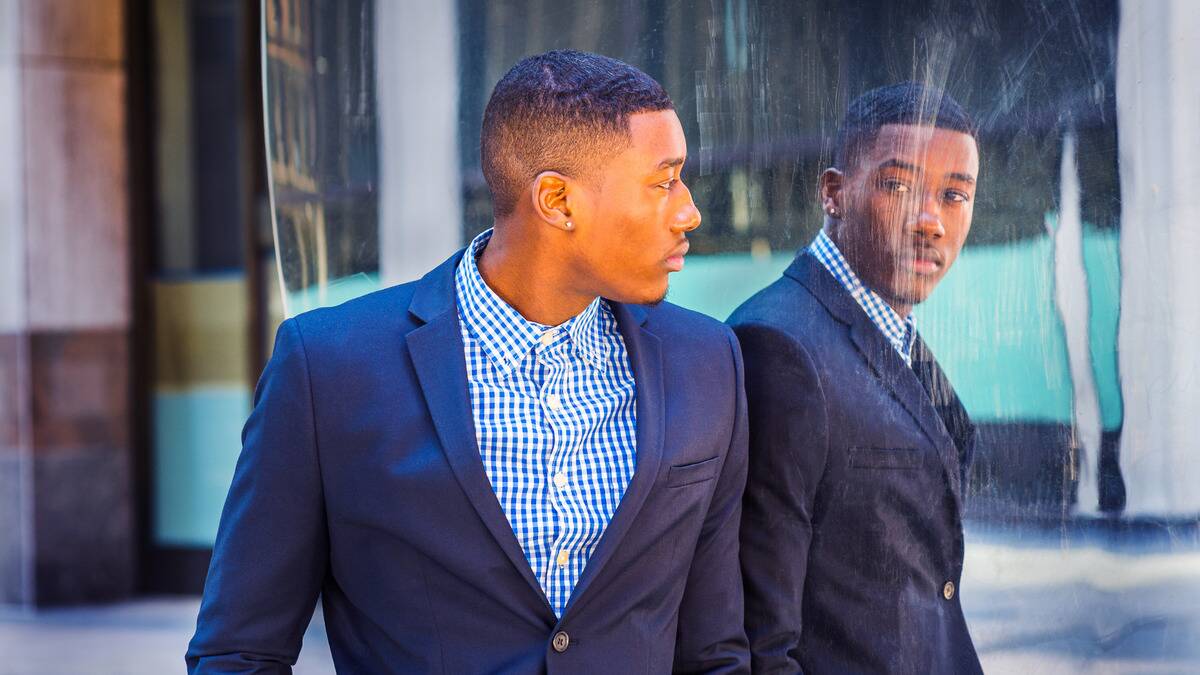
992	322
995	329
1102	262
338	291
716	284
197	438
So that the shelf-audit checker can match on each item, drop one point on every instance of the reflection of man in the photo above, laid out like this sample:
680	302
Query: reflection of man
513	464
852	542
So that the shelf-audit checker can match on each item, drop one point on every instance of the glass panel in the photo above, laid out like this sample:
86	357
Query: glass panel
322	144
1067	325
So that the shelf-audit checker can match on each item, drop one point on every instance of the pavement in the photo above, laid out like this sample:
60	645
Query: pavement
1036	606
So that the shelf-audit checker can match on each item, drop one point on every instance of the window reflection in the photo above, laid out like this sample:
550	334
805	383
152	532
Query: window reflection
1066	325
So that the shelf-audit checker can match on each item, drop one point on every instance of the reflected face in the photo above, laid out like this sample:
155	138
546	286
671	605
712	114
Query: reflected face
904	209
632	220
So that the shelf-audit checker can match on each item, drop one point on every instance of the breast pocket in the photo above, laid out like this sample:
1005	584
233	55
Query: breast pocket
696	472
886	458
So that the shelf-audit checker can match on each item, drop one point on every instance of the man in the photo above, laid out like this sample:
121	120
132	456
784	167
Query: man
852	544
523	462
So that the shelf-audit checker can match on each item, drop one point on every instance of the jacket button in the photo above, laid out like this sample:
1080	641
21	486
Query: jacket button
561	641
948	590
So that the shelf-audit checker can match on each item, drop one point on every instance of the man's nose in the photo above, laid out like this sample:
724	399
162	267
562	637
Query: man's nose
688	216
929	217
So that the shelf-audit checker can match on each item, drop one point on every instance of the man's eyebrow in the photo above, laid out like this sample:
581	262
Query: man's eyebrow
901	164
670	163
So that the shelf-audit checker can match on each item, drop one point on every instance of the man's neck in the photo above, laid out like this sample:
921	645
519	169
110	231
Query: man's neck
529	276
902	309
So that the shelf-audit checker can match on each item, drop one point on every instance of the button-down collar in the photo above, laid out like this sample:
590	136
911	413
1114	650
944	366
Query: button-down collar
506	336
900	332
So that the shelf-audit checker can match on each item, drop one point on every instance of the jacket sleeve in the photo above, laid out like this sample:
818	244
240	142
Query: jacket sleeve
789	439
711	637
271	551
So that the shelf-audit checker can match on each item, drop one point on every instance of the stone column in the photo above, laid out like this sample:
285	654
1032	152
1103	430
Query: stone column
1158	96
66	501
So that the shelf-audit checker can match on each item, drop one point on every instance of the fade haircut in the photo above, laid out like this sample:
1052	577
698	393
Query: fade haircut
564	111
909	103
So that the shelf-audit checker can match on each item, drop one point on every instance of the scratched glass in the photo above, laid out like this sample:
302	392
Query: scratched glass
1069	325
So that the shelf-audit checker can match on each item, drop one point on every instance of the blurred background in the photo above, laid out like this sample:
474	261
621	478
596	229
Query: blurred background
176	176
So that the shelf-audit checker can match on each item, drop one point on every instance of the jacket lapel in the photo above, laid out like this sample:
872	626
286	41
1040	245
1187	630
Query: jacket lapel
436	349
947	404
889	368
645	358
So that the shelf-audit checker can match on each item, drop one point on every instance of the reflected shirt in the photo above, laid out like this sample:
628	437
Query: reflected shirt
900	332
555	420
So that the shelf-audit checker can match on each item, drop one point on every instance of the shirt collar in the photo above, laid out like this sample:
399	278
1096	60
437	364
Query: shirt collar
900	331
507	337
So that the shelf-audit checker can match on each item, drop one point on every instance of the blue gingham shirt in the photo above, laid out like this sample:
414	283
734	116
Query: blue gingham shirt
900	332
555	419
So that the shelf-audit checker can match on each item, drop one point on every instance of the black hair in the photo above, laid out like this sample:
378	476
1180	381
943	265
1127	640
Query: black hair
562	111
904	103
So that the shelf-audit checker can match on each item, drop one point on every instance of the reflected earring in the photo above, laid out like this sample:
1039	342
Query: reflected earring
569	225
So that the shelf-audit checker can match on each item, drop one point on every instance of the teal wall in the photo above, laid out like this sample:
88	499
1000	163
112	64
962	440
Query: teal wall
197	433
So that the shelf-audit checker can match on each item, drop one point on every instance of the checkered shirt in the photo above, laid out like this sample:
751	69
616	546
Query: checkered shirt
901	332
555	419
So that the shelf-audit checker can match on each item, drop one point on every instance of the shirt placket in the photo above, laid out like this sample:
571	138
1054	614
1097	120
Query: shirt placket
559	459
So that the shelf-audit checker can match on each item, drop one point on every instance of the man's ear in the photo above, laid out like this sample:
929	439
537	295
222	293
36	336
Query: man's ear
830	185
551	194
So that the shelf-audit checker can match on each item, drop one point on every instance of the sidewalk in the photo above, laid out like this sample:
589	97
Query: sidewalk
145	637
1033	608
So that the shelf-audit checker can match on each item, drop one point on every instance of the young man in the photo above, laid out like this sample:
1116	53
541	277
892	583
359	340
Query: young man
525	461
852	544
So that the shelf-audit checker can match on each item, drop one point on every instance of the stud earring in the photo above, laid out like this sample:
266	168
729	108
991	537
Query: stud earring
569	225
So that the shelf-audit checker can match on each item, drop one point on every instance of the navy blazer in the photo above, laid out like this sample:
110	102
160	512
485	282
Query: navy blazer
360	481
852	542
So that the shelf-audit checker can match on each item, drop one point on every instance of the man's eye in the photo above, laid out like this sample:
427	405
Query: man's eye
956	196
668	184
893	185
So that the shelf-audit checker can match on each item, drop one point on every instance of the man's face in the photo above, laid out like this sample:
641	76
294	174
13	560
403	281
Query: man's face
904	209
633	217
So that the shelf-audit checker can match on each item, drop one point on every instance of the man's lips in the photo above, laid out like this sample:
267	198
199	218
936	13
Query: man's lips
926	261
675	258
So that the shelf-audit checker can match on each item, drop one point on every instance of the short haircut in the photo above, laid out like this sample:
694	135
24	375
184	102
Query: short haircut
904	103
564	111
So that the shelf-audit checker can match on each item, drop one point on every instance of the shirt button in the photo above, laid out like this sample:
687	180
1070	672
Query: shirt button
554	401
560	480
948	590
563	558
549	336
561	641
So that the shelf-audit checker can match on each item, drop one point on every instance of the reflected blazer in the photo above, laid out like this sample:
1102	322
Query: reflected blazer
852	541
360	481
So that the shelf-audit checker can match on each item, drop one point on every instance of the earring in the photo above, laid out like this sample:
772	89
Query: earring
569	225
833	212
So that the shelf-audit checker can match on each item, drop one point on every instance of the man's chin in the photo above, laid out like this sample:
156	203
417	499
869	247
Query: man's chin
648	297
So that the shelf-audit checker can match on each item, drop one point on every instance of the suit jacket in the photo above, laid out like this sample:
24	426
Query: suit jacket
360	481
852	519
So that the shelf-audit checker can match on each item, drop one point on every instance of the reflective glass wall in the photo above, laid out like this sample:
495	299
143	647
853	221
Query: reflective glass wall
1067	326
